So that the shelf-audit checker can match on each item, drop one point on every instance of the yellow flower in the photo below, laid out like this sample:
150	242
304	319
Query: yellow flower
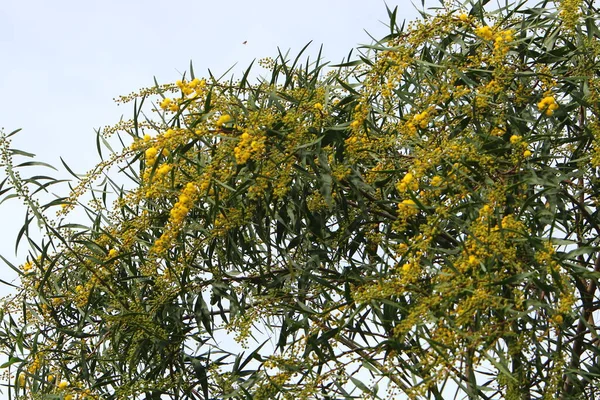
408	203
408	182
223	119
165	103
548	105
197	82
514	139
151	153
112	253
50	378
421	119
485	32
436	181
164	169
504	37
526	153
69	397
63	385
318	106
463	17
169	133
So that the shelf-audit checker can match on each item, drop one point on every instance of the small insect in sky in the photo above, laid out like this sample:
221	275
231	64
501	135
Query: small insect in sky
245	42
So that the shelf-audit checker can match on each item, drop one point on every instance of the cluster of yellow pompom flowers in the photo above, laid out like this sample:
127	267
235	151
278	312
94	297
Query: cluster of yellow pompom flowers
248	146
548	105
407	182
191	89
184	204
485	32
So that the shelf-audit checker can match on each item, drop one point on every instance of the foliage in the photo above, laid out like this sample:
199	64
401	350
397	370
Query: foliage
418	221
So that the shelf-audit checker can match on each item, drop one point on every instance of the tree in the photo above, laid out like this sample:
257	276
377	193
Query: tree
418	221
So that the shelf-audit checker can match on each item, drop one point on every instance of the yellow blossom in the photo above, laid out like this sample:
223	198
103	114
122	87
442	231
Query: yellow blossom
164	169
197	82
223	119
421	119
63	385
436	181
151	154
407	182
165	103
548	105
514	139
526	153
485	32
473	260
408	203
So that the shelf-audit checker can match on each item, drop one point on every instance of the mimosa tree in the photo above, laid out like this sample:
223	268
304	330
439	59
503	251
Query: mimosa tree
418	221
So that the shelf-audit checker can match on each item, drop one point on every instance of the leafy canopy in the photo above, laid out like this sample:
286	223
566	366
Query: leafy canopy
418	221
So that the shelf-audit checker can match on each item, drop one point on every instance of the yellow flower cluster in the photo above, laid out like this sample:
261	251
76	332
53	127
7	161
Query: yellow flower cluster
192	88
407	182
514	139
422	119
223	119
437	181
548	105
151	154
249	146
502	40
184	204
28	266
168	104
35	365
485	32
570	12
407	208
180	210
164	170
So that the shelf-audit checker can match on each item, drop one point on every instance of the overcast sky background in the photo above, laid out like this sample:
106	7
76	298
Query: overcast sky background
64	61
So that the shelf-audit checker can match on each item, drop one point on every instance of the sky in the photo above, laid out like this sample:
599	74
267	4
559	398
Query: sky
64	61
